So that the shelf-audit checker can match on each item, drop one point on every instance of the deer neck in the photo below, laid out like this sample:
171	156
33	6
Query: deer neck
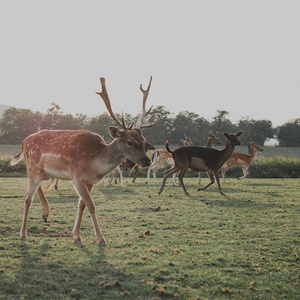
253	154
227	152
110	158
209	143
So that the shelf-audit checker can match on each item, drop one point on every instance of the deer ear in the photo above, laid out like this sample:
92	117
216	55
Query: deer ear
114	132
149	146
226	135
239	133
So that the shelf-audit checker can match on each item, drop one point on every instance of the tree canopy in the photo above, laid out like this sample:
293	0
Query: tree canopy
17	124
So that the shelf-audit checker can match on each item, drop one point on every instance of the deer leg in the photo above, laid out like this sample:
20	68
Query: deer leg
56	184
224	170
111	176
199	178
174	178
121	178
135	174
167	174
245	171
148	173
154	174
218	182
212	180
44	203
76	228
180	178
32	186
83	191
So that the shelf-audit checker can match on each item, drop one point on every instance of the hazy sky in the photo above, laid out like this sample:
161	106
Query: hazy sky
239	56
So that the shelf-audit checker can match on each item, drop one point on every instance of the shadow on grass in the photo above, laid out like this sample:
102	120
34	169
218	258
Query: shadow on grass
45	273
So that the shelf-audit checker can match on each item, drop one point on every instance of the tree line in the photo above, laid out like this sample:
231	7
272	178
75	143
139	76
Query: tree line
17	124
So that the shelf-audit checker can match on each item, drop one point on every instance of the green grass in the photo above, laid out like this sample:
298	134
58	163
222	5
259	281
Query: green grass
172	246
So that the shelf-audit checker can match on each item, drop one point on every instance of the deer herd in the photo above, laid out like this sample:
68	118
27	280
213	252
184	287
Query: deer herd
85	158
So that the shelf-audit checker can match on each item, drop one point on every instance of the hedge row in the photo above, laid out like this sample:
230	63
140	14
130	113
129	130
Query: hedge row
275	167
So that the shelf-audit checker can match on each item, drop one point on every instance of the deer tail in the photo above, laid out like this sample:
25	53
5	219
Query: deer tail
17	158
167	147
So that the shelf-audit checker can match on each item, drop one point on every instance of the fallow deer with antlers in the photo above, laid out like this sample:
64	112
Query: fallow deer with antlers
83	157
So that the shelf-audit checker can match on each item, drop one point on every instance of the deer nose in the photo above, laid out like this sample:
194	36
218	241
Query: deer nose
146	162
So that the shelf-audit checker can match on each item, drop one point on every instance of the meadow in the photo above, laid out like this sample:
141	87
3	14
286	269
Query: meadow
168	246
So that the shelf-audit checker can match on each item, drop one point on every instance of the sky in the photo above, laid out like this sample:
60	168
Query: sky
204	56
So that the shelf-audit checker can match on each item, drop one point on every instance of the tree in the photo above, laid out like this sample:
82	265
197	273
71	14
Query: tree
17	124
221	124
100	124
160	132
288	134
255	131
51	119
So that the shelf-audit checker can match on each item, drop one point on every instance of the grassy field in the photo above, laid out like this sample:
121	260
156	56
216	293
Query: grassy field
172	246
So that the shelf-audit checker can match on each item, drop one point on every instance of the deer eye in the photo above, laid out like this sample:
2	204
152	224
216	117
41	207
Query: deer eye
129	143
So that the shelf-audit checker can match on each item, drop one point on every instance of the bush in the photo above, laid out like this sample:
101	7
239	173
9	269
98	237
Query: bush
274	167
5	167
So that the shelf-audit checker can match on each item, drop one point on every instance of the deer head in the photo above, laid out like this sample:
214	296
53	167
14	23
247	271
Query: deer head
130	139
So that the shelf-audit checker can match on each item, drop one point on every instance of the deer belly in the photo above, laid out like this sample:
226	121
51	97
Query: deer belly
56	173
198	164
241	163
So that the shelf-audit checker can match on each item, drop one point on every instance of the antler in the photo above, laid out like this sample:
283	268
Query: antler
104	96
144	112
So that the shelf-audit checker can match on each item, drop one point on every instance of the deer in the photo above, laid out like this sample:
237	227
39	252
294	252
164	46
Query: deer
130	164
211	141
82	157
162	158
241	160
201	159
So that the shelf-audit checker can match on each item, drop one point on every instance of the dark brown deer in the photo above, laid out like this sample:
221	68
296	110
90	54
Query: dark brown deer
83	157
201	159
161	159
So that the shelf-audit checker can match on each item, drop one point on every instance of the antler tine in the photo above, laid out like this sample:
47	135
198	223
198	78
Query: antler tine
144	112
104	96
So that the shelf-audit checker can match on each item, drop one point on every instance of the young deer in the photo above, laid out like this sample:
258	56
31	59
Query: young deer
83	157
201	159
162	158
132	165
212	140
241	160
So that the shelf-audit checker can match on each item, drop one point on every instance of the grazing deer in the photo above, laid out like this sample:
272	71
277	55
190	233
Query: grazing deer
241	160
162	158
212	140
83	157
201	159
